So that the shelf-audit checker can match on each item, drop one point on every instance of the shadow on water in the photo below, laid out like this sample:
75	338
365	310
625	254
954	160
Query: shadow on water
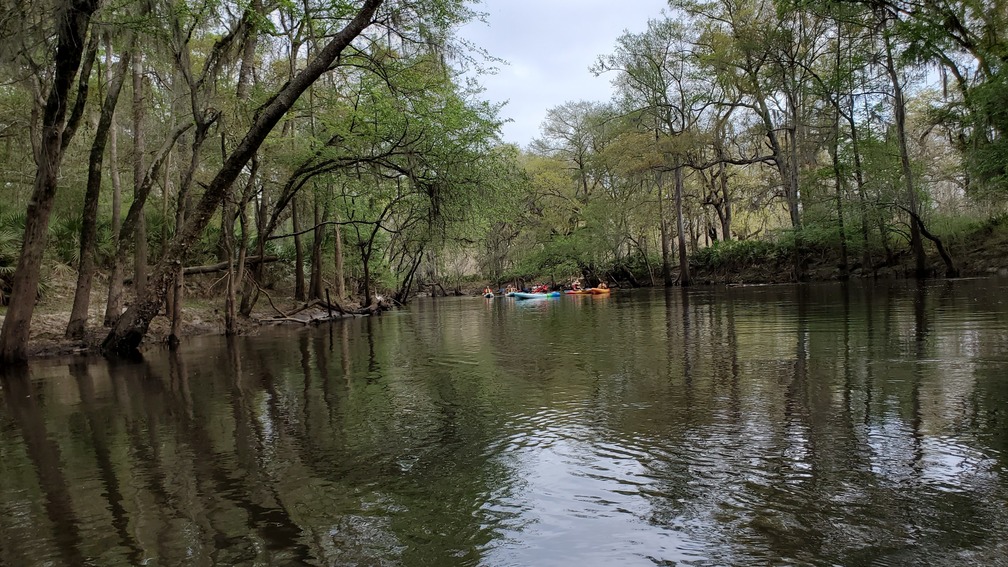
97	424
23	402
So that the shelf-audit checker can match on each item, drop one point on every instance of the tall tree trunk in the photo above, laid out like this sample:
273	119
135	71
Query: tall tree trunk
684	272
139	147
866	259
89	225
166	183
726	217
839	185
666	244
71	30
299	279
234	276
338	261
113	304
786	163
124	231
177	294
235	273
250	288
318	236
128	228
793	202
899	111
782	161
182	207
793	189
131	328
366	268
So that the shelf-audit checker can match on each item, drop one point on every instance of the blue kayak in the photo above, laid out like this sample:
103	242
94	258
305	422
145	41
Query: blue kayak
525	295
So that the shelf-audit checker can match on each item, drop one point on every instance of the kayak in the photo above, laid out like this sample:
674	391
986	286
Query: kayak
589	291
525	295
488	295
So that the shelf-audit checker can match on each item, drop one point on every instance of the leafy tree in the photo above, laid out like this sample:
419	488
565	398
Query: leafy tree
71	22
130	329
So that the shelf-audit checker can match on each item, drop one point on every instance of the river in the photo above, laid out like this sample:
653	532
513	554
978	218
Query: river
820	424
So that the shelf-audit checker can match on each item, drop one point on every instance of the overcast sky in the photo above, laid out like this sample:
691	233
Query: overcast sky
549	46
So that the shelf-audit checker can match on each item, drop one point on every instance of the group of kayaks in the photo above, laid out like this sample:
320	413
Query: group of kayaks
543	295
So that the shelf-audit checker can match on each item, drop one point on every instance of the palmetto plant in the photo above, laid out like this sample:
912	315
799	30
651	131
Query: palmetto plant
11	228
64	238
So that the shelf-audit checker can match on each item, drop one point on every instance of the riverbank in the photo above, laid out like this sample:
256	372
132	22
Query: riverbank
203	315
978	252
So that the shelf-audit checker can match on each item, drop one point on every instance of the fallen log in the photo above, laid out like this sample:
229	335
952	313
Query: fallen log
212	268
317	310
221	266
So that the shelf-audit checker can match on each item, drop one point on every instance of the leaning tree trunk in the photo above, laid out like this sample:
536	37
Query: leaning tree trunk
131	328
71	29
89	225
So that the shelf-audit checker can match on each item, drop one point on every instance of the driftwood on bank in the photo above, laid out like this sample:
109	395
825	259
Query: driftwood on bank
318	310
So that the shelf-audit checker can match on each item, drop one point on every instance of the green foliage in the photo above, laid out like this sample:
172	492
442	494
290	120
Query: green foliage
64	236
986	147
11	229
953	228
738	253
559	258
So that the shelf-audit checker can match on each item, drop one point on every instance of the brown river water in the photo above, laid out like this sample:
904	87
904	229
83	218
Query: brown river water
814	424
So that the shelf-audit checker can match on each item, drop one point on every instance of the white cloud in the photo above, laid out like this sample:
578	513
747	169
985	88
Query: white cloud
550	46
